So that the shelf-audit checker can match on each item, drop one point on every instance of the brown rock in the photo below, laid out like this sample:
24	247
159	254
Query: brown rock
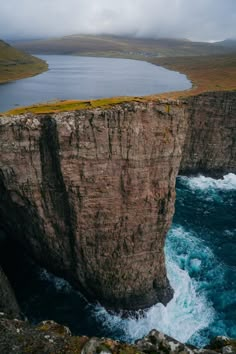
91	193
210	146
223	345
19	337
158	342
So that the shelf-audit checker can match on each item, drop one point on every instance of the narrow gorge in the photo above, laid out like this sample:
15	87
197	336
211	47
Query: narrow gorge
90	194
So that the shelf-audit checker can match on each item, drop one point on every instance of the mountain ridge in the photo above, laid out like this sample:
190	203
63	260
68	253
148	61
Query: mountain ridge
116	46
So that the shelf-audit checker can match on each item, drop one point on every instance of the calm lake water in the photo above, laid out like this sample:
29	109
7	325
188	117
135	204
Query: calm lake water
73	77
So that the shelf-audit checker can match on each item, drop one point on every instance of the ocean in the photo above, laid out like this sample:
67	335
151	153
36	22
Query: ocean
201	263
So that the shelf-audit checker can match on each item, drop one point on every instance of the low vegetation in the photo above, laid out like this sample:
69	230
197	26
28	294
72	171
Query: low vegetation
72	105
206	72
15	64
114	46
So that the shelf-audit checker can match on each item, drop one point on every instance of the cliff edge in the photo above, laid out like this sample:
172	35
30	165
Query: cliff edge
90	193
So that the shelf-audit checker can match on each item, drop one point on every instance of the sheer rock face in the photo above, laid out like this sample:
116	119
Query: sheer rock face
91	195
8	302
210	146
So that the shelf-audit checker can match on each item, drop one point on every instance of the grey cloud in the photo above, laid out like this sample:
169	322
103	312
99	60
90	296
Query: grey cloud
197	20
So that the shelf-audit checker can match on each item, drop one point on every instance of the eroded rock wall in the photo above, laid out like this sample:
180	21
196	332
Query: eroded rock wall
210	146
91	196
91	193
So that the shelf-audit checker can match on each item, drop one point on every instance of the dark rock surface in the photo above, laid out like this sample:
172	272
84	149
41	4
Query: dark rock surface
18	337
8	302
210	145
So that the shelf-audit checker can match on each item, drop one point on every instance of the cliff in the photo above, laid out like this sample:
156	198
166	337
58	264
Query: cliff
210	145
91	196
91	193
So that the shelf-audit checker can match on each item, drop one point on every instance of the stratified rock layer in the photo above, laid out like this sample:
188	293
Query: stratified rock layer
91	196
91	193
210	146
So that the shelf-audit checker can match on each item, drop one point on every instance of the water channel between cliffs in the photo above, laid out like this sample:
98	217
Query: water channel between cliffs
200	253
199	250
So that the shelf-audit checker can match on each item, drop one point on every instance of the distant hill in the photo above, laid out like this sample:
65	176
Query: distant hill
15	64
228	43
114	46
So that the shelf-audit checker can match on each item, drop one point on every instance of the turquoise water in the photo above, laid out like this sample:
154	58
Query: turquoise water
202	242
201	263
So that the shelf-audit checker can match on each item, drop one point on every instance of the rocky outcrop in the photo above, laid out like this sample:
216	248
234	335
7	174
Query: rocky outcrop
18	337
157	343
8	302
91	193
91	196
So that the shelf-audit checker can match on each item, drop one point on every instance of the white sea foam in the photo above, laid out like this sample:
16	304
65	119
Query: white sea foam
228	182
193	271
188	311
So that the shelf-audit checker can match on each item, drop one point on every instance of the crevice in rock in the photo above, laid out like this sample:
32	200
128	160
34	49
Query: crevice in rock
53	190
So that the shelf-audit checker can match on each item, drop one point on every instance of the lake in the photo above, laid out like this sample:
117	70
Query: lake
74	77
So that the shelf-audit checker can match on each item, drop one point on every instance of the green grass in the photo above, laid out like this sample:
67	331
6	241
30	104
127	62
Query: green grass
15	64
73	105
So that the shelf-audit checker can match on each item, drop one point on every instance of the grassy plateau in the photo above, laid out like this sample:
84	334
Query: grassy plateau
210	67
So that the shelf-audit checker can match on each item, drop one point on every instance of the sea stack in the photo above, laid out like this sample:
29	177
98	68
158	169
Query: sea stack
90	194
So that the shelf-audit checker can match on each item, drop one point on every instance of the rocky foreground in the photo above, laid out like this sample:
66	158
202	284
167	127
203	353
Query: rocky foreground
48	337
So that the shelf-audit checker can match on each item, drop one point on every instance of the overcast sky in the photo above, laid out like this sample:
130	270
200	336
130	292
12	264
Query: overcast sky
194	19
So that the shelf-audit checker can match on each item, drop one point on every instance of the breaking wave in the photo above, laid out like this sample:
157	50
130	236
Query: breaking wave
200	256
200	265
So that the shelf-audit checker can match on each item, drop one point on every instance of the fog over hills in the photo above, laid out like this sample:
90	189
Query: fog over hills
202	20
231	43
115	46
